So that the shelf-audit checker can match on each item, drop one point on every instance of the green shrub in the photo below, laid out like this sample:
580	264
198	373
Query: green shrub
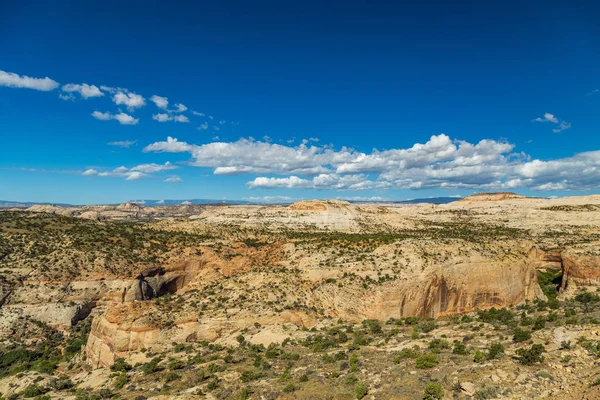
406	353
437	345
121	380
433	391
248	376
176	364
172	376
460	348
532	355
479	357
120	366
33	390
245	394
427	360
360	390
373	325
520	335
495	350
426	326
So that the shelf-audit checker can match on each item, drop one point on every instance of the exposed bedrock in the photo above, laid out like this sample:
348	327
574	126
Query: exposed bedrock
581	267
440	291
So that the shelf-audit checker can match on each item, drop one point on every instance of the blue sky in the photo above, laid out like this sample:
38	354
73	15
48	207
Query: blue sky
289	100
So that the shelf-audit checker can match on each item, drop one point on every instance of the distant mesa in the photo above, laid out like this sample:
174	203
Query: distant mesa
317	205
130	206
493	196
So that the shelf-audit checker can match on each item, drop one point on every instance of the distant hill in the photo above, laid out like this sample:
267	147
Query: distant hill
155	203
20	204
431	200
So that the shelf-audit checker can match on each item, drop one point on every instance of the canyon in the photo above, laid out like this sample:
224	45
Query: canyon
155	277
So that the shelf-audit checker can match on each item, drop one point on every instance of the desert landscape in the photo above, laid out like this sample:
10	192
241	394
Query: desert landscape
490	296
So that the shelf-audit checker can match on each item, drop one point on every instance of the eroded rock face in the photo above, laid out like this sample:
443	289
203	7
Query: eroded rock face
154	282
129	327
580	267
440	291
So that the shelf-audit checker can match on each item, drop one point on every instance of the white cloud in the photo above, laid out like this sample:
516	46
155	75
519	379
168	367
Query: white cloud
203	127
170	146
129	99
593	92
151	168
102	116
161	102
131	174
564	125
198	114
89	172
174	179
123	143
13	80
161	117
438	163
181	118
134	176
86	91
547	118
124	119
180	108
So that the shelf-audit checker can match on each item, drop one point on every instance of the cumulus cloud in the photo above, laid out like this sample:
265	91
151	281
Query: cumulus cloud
123	143
161	102
203	127
13	80
162	117
440	162
151	168
548	117
174	179
131	174
180	108
198	114
129	99
124	119
102	116
86	91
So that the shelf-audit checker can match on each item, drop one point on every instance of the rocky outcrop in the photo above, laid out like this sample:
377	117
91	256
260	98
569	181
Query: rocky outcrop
129	327
312	205
440	290
493	196
154	282
59	315
580	268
